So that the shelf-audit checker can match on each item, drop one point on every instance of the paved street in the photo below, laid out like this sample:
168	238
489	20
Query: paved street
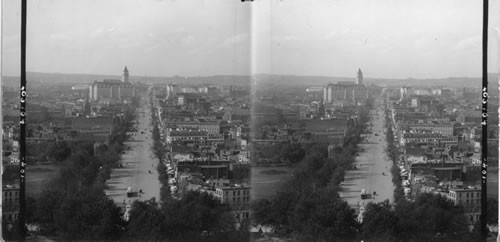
373	166
139	163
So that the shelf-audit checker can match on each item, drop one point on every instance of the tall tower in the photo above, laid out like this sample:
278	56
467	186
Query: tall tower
359	80
125	75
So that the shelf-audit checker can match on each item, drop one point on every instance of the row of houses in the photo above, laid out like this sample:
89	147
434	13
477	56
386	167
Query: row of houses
440	144
208	145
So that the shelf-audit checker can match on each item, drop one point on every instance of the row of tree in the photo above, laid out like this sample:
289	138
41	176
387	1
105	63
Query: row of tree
393	153
308	206
74	205
161	154
41	152
280	153
196	216
428	217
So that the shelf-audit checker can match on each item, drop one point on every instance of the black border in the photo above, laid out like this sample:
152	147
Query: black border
484	128
22	123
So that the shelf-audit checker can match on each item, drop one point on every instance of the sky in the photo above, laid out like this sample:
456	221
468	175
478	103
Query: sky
385	38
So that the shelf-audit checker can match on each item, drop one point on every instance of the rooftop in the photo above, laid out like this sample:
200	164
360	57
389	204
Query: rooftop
323	125
420	135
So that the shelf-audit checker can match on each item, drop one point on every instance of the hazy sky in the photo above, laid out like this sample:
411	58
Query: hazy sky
386	38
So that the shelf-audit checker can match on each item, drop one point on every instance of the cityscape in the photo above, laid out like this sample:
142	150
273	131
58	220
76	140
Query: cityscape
174	132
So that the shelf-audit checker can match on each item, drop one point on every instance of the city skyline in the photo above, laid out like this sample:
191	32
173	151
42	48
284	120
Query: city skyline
197	38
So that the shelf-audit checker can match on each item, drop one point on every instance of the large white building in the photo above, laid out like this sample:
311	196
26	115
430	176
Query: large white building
112	88
346	91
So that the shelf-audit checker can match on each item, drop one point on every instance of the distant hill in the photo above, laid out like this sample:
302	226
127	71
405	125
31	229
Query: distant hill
72	79
261	80
265	79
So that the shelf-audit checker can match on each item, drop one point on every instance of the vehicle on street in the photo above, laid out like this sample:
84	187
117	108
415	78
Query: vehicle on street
364	195
132	193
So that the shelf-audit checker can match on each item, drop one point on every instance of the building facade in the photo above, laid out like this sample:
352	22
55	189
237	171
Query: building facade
346	91
212	127
238	199
112	88
10	203
470	199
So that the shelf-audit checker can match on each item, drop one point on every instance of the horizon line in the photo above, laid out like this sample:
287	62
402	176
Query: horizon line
243	75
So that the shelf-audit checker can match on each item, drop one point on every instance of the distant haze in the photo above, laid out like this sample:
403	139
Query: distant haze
385	38
262	80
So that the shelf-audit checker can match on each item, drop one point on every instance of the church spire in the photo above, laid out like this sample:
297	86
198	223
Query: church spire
359	80
125	74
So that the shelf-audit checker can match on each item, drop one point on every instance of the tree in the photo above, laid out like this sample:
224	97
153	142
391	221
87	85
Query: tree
292	153
262	210
379	221
58	151
194	213
145	221
10	174
11	231
321	218
492	211
46	205
30	209
88	214
428	215
282	206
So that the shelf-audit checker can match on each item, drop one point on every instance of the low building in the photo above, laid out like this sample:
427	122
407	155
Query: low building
196	137
208	169
92	124
446	129
238	199
329	131
470	199
443	171
434	139
10	203
212	127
